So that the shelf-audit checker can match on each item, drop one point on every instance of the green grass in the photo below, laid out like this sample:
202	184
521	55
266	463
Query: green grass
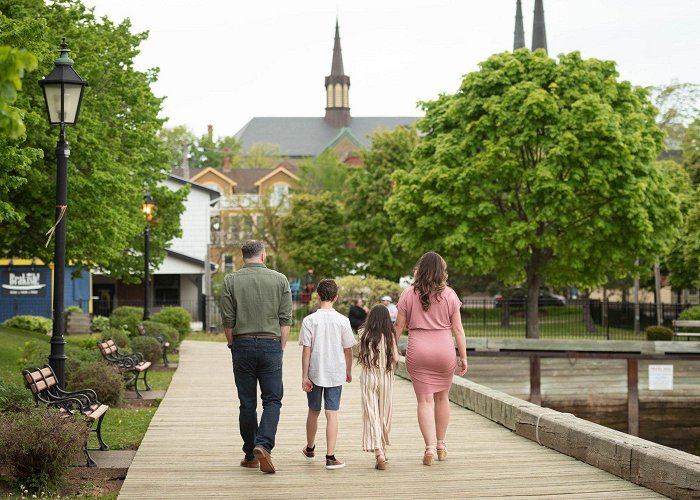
124	428
12	342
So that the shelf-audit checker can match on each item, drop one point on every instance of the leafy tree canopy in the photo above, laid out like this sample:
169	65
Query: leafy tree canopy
323	173
115	150
314	236
368	188
539	170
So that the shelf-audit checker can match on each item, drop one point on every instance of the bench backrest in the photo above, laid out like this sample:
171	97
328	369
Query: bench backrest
40	380
686	322
107	347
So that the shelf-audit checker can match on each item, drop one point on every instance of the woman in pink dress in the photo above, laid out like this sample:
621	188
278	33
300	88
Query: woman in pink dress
431	312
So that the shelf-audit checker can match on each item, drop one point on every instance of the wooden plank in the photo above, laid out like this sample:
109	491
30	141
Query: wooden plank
192	448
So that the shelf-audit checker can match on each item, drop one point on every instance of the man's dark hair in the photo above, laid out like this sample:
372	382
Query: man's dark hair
252	248
327	290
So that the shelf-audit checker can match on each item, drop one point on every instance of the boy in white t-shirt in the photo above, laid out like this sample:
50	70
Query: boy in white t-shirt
326	363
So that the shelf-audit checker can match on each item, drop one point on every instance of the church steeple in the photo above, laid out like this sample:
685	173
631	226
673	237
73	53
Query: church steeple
539	33
337	88
519	38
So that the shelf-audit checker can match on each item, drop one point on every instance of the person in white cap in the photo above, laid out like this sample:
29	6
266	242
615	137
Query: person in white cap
393	311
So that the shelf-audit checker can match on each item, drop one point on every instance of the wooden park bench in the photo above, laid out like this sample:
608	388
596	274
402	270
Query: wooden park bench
679	324
132	365
44	386
165	345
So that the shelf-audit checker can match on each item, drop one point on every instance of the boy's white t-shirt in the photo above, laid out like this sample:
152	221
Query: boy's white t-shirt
327	332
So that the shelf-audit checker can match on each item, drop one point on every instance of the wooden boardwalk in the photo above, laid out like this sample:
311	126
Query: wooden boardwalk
192	449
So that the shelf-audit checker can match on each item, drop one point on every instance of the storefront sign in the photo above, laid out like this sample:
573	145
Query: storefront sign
24	281
660	377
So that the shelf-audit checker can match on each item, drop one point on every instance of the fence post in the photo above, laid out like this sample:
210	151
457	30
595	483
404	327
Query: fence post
632	397
535	392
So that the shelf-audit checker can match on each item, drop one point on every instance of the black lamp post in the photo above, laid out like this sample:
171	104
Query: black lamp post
149	204
63	92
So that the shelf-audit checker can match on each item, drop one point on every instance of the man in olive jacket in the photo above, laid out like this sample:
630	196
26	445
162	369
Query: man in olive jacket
256	308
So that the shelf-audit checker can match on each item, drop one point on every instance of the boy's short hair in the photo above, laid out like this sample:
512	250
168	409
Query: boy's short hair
327	290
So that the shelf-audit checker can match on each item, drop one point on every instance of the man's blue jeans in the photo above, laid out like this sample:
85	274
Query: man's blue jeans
258	360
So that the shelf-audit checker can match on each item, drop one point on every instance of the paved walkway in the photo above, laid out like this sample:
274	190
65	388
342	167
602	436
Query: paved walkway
192	449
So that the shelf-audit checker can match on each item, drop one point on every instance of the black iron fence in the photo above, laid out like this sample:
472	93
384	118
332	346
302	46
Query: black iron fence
596	321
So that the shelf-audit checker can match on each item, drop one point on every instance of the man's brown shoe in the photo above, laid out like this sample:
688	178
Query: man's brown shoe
265	459
253	463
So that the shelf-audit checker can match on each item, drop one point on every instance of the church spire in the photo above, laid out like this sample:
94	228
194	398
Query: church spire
519	39
337	88
539	33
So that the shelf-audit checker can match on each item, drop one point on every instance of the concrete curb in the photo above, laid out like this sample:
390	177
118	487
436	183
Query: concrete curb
670	472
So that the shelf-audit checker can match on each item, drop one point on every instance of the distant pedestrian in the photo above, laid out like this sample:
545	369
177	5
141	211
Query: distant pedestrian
256	308
326	364
378	356
393	310
357	313
431	311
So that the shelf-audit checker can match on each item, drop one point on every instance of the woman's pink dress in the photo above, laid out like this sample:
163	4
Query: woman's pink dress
430	356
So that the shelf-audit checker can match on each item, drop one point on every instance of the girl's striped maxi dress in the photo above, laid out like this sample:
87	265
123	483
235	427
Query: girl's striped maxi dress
376	385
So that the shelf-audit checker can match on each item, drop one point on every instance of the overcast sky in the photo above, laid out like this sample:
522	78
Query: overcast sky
223	62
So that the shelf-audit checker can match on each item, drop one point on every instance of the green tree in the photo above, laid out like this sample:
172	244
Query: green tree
314	235
542	171
262	155
208	152
324	173
368	188
115	149
179	141
691	151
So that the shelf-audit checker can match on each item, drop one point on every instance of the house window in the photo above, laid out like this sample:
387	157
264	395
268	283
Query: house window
166	289
228	263
279	193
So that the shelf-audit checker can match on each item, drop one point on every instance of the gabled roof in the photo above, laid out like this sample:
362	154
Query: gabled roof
299	137
218	173
282	167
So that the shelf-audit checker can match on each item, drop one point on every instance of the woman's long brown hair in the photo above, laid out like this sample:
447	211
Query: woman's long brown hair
377	328
430	277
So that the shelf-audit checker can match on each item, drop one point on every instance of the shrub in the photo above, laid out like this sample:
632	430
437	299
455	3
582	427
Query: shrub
370	289
33	355
118	335
126	316
31	323
148	346
177	317
39	445
690	313
100	323
169	333
14	397
106	380
73	309
659	333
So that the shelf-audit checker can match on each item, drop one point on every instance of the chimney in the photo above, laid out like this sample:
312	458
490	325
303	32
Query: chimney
185	161
227	159
210	132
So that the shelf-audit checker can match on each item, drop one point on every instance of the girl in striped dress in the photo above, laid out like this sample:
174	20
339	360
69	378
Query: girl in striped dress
378	357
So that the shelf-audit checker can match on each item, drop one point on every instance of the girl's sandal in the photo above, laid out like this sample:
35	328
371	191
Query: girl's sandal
429	455
441	450
381	462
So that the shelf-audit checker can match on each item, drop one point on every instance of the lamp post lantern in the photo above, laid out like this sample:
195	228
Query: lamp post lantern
63	92
149	204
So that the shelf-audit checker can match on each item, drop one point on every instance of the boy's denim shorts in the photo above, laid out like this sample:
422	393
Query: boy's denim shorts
331	397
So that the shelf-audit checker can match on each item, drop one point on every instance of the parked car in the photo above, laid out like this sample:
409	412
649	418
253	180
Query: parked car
517	297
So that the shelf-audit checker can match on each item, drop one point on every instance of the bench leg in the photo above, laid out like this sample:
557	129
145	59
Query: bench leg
90	462
165	357
136	386
98	431
145	380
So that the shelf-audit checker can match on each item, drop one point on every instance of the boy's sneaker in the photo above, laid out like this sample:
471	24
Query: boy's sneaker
334	463
309	453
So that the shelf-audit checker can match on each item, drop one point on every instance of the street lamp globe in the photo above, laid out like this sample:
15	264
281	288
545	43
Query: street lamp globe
63	90
149	204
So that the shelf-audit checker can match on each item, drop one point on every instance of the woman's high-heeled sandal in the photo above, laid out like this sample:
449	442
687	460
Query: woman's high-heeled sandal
441	452
429	455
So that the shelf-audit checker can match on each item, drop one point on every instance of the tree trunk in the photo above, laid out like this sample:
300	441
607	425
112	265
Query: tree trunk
505	316
532	320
